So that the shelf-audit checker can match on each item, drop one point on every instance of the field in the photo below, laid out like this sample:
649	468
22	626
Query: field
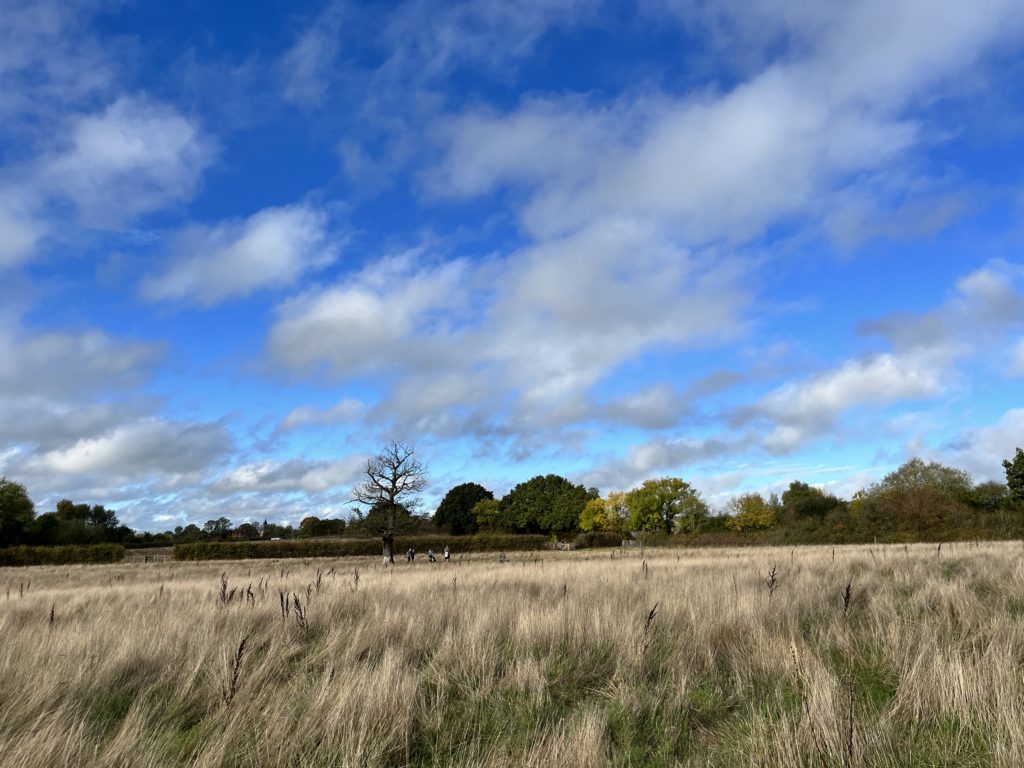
548	659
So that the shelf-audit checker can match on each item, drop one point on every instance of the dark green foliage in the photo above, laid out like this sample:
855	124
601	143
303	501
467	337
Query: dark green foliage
93	553
455	514
218	528
74	523
377	521
988	497
1015	476
803	500
17	513
244	550
545	504
310	526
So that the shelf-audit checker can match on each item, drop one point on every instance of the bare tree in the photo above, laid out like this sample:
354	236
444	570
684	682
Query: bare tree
394	480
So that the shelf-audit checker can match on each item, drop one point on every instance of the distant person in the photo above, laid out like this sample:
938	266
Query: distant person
409	554
430	556
447	554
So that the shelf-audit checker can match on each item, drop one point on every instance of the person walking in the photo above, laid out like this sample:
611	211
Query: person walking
447	554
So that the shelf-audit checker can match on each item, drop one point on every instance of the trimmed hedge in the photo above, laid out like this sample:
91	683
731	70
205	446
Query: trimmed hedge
90	553
246	550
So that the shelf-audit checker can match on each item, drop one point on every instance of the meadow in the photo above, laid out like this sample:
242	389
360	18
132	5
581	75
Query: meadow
853	656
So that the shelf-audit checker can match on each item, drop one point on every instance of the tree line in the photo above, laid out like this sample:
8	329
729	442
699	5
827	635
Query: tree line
918	500
926	500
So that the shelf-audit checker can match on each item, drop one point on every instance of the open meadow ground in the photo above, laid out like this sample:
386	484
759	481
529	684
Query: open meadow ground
547	659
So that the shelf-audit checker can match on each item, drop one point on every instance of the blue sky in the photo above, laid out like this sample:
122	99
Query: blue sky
741	242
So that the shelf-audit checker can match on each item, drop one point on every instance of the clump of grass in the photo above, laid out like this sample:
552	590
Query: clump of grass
230	688
647	636
300	613
847	597
772	582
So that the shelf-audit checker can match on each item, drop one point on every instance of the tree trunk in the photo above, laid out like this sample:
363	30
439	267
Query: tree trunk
389	549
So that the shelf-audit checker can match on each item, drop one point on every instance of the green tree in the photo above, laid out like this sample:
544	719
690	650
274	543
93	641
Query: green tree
17	513
918	496
1015	475
487	513
217	529
309	526
545	504
394	480
455	513
988	496
666	504
803	500
750	512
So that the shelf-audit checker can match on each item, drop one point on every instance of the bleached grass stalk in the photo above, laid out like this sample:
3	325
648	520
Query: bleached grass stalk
503	668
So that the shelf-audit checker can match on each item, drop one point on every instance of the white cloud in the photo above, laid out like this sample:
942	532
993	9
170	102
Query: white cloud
59	365
520	341
306	67
345	411
134	157
655	407
726	165
271	249
805	409
135	451
394	314
987	304
659	455
878	380
293	475
982	450
47	61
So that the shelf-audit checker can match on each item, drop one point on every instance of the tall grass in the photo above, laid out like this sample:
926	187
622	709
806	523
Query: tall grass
895	657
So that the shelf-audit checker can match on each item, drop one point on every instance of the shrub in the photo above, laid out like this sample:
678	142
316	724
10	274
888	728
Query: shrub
245	550
91	553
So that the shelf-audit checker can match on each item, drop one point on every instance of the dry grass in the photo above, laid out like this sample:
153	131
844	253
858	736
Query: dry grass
557	661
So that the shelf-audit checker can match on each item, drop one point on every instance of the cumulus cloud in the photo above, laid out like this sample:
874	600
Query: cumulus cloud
133	157
136	450
384	317
807	408
520	341
309	476
270	249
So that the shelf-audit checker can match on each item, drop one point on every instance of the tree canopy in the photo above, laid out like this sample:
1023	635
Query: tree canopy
803	500
17	513
1015	475
545	504
666	504
455	513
